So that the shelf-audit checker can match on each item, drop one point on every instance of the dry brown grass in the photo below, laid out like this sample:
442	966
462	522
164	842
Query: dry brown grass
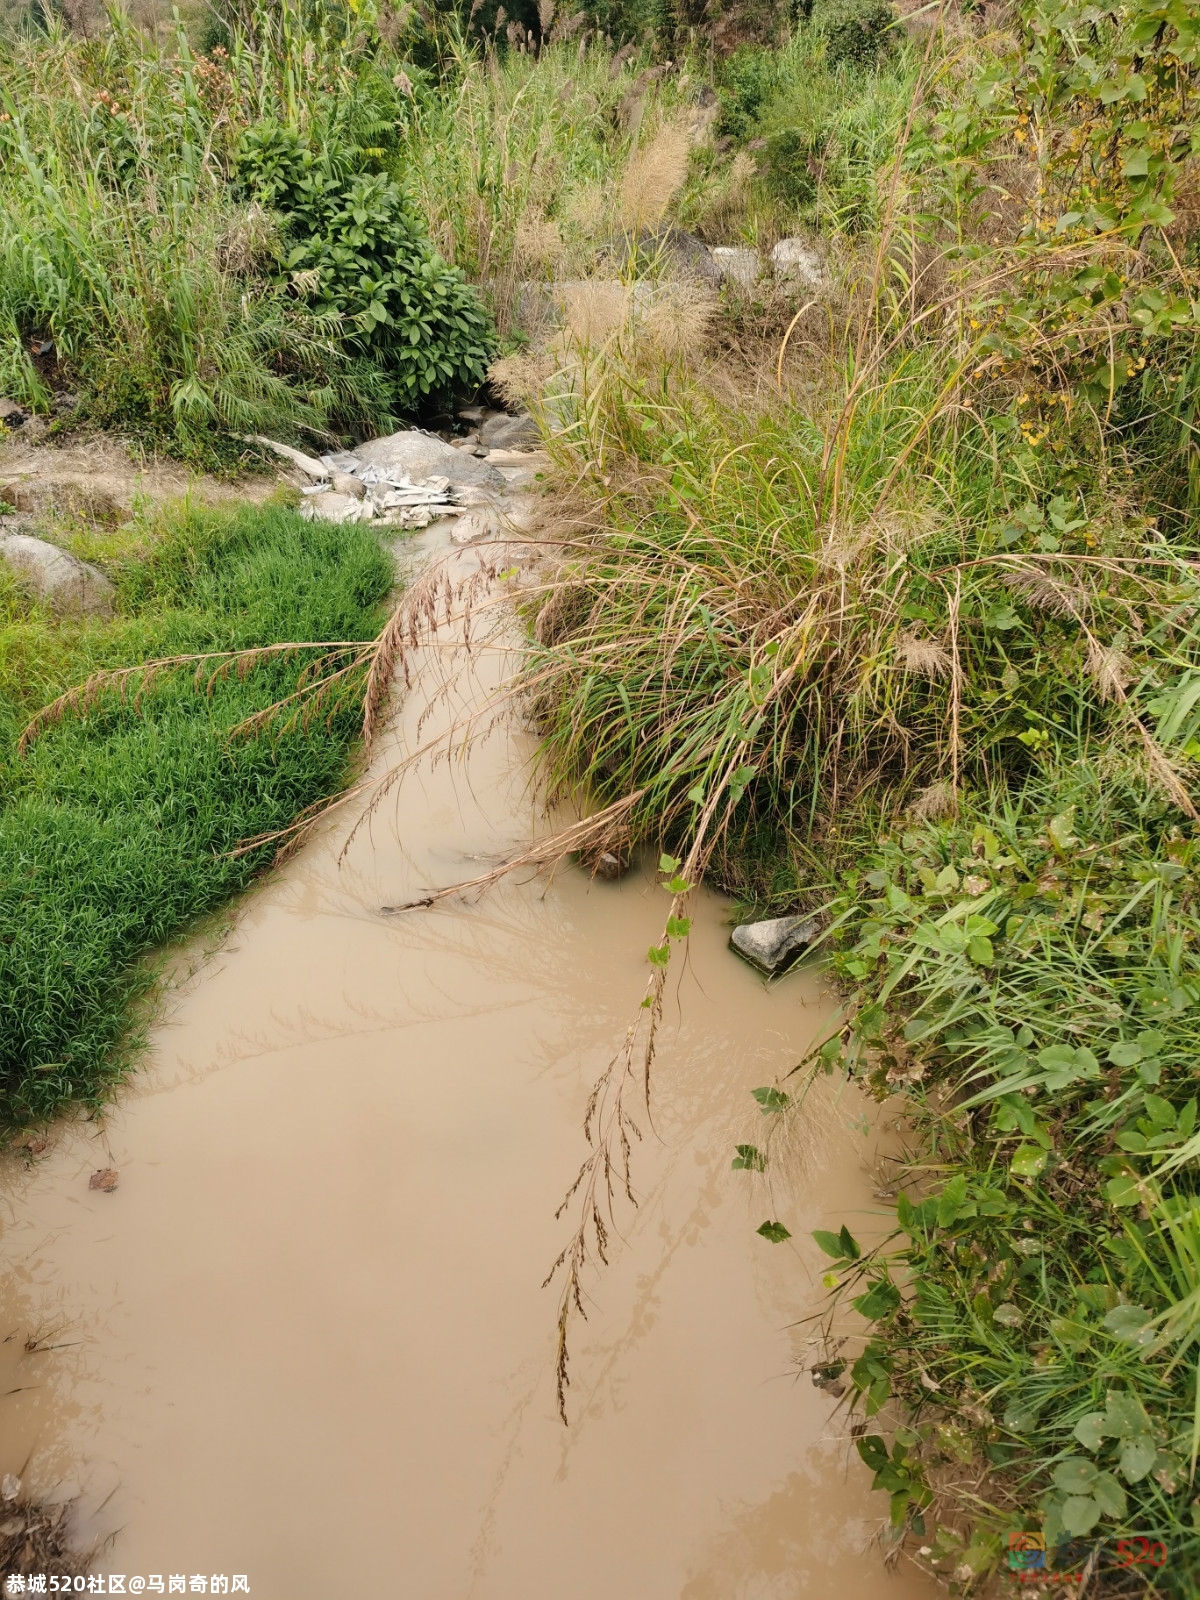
653	177
33	1537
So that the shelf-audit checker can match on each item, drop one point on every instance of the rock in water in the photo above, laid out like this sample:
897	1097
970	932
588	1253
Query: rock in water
509	433
771	945
419	455
70	586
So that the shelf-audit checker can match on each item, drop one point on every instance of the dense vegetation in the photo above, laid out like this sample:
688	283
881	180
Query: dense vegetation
118	824
881	597
202	251
904	625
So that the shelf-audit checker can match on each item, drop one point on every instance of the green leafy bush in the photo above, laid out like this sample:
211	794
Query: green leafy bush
360	258
748	80
857	32
1026	976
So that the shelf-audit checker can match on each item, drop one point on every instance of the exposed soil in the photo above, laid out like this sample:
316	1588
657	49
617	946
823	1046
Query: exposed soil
102	481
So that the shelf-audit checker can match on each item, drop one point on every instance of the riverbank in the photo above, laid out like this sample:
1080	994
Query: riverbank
121	820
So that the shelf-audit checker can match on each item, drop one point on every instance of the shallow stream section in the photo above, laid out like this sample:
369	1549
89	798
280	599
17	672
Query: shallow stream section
305	1339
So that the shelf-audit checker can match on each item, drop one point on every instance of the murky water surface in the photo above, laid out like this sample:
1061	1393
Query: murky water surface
306	1340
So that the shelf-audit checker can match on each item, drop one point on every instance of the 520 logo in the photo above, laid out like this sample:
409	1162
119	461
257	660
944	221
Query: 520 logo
1029	1560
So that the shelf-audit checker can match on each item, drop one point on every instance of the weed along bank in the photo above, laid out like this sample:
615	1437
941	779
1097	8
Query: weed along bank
599	709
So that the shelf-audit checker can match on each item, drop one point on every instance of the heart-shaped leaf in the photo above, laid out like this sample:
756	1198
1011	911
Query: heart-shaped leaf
1090	1430
749	1159
1137	1458
1079	1514
1029	1161
1124	1416
1125	1053
1021	1417
1076	1475
771	1100
880	1300
873	1451
981	951
1129	1324
774	1231
1124	1191
1109	1495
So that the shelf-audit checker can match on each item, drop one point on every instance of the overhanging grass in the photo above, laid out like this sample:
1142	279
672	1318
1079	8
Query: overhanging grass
117	825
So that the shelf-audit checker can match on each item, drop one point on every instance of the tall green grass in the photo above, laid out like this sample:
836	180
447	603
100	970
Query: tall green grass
117	825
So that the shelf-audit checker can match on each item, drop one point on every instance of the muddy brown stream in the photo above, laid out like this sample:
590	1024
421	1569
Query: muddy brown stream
306	1338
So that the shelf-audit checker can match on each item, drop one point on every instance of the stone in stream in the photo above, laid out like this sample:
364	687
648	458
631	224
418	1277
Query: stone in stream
770	946
69	586
419	455
472	525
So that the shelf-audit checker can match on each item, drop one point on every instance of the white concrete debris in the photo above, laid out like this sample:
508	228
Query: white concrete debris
796	259
407	480
737	265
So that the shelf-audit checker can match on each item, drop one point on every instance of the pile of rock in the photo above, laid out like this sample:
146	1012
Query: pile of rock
408	479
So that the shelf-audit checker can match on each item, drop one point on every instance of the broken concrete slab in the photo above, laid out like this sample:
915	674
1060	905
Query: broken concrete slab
737	265
773	945
797	260
330	506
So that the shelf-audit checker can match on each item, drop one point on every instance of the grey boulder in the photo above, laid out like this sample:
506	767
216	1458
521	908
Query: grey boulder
771	945
418	456
738	265
69	586
509	433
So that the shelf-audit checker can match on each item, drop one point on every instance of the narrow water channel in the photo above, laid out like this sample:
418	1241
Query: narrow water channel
305	1339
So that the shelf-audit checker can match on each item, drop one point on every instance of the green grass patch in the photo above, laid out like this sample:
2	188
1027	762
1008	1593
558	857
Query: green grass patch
116	827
